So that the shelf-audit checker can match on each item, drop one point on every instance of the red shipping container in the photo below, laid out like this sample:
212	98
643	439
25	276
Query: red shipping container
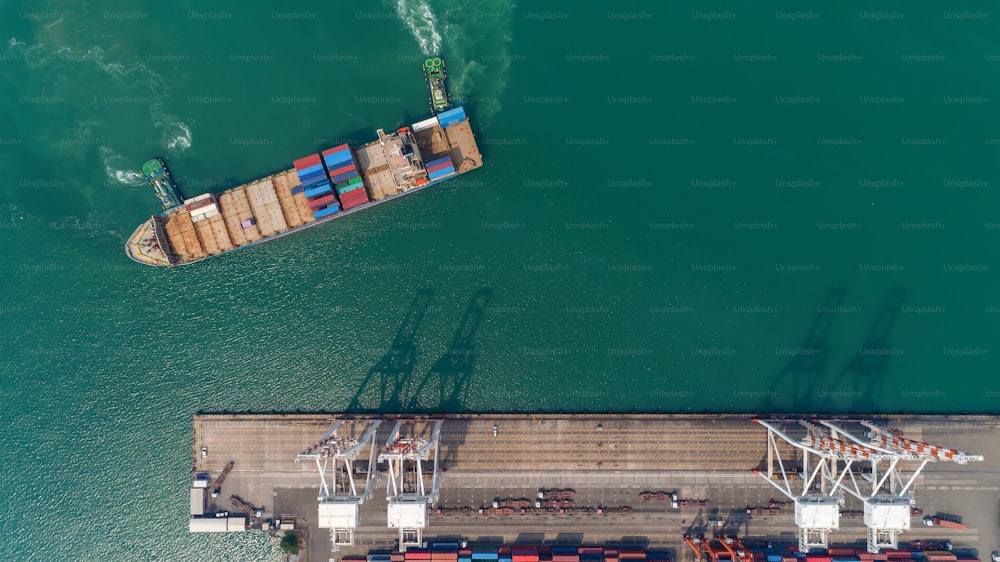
440	166
897	555
334	150
342	170
321	201
354	198
591	550
466	552
305	162
503	551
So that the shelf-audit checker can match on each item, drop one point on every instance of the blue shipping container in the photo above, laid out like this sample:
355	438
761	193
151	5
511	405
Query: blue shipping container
298	189
464	559
451	117
310	169
445	546
441	173
557	549
318	191
433	163
312	178
776	558
326	212
484	555
345	176
337	158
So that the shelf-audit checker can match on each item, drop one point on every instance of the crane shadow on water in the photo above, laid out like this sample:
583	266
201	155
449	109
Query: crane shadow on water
451	373
384	386
867	369
805	371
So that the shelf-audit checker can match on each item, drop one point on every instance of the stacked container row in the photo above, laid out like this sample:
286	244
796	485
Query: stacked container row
440	168
353	198
318	192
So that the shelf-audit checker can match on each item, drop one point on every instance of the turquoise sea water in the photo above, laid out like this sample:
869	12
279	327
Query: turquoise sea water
700	207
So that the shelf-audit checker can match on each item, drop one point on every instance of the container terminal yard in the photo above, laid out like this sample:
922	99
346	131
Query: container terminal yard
526	488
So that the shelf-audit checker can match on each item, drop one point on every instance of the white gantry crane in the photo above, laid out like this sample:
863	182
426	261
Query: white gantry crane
340	496
835	461
886	488
411	444
814	486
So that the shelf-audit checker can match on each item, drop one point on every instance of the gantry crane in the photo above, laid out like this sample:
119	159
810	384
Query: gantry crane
410	445
887	491
816	499
737	552
705	551
339	496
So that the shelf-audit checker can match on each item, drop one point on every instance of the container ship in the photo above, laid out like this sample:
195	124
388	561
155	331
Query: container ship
317	188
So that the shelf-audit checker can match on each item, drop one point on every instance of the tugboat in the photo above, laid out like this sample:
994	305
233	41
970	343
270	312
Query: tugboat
440	99
155	172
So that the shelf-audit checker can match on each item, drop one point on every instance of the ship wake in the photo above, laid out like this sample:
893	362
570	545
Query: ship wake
420	19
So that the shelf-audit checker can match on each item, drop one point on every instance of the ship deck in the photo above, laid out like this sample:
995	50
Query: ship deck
608	460
375	170
268	202
463	148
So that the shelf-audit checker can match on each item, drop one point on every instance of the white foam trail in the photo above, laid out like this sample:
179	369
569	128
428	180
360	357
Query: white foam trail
176	134
124	176
417	16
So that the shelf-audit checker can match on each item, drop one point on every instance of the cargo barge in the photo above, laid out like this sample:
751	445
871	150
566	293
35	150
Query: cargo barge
317	188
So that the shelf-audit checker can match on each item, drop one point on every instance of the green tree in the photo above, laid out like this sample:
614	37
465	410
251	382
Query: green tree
290	543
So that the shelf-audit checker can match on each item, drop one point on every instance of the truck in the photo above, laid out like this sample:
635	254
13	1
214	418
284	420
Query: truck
940	522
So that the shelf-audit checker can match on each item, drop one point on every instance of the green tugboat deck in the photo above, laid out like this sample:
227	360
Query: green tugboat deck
434	71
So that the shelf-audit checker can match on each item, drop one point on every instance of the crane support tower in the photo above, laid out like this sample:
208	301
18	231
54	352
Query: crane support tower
886	486
880	472
410	447
340	496
817	503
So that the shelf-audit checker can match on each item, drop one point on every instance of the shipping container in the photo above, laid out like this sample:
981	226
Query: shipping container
484	554
354	198
307	161
317	190
341	170
349	188
337	158
438	161
336	149
322	201
325	213
451	117
355	180
441	173
313	178
298	189
344	177
311	169
440	166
